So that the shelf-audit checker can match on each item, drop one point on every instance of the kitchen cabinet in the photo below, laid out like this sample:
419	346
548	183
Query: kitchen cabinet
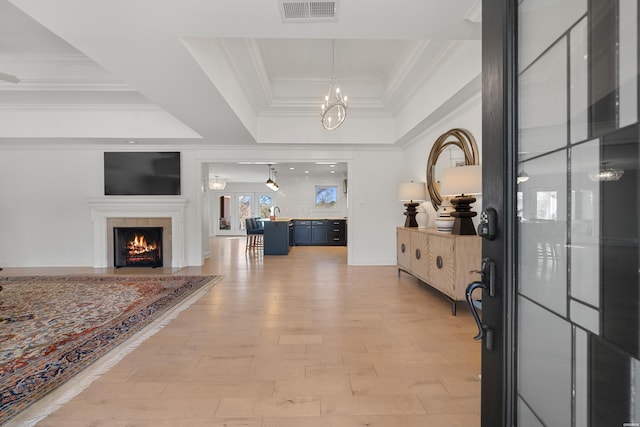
320	232
276	237
337	232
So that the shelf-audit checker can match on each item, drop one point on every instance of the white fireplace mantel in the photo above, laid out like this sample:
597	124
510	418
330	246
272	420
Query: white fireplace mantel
137	207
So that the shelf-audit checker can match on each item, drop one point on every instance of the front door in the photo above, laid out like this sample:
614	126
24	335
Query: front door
561	159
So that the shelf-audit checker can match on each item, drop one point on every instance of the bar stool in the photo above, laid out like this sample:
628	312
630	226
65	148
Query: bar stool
255	233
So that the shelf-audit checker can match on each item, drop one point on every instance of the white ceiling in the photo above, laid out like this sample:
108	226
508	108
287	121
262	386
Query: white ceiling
280	171
211	72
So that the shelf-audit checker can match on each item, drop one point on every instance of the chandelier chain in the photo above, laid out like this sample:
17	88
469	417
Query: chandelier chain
334	107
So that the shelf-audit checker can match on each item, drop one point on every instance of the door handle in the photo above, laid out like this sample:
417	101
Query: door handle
488	274
484	331
472	287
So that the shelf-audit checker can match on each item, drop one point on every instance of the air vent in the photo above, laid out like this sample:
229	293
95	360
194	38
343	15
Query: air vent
308	11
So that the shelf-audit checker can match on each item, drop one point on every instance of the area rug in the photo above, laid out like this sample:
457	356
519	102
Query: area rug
52	327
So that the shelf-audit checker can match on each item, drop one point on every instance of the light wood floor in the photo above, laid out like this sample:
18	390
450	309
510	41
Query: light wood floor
292	341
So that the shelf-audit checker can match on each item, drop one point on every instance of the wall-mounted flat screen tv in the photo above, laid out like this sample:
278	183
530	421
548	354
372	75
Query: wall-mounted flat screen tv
141	173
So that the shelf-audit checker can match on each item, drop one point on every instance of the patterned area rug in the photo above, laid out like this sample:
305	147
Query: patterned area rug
51	327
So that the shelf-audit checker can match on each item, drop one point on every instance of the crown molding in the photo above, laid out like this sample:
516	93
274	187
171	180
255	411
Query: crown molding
261	72
431	57
50	85
82	107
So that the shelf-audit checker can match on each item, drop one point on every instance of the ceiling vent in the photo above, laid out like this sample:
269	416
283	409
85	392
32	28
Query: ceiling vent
308	11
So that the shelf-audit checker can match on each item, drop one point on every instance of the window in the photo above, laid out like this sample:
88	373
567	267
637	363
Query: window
547	205
265	203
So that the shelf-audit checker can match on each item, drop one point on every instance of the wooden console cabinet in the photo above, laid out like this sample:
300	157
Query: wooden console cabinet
441	260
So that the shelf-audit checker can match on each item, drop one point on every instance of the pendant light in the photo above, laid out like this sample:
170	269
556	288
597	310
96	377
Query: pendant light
334	108
271	183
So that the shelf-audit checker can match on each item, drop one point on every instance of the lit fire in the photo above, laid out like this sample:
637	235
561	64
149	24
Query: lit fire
139	246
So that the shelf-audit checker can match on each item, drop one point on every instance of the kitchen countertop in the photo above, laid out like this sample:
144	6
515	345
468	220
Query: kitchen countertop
280	219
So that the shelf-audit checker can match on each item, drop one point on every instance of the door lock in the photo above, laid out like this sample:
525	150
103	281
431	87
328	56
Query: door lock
487	274
488	224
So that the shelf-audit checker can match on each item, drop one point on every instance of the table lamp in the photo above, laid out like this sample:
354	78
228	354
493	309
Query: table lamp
462	183
412	193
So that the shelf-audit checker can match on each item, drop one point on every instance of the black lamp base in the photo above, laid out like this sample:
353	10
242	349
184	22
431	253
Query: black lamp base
463	224
410	213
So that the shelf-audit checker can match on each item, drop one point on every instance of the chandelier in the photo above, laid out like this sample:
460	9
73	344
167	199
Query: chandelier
606	174
217	183
271	183
334	108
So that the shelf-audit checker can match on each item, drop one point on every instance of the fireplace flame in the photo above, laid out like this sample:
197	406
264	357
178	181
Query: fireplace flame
139	245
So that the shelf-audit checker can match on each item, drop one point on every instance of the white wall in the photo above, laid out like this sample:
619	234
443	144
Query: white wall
468	116
375	211
44	217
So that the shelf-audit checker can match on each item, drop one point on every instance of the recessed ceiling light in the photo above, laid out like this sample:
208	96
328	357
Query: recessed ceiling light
306	171
292	168
333	171
131	141
332	166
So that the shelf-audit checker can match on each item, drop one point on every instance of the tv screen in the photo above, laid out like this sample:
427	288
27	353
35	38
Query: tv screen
142	173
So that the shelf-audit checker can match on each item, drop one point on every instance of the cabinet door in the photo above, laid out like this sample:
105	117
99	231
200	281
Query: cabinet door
442	263
420	255
318	234
302	232
403	240
468	251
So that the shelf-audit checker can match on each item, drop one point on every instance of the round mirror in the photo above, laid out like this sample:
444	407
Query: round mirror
460	138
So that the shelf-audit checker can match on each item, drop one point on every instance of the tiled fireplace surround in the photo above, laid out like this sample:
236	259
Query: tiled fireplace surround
109	212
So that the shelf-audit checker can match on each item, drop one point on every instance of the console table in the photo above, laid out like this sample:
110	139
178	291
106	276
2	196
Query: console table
441	260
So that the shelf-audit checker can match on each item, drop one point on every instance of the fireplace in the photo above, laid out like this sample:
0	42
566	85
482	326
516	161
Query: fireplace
137	246
151	211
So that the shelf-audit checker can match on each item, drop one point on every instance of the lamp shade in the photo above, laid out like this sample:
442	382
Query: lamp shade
461	180
412	191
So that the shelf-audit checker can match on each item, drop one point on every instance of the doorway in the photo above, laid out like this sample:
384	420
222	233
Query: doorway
233	208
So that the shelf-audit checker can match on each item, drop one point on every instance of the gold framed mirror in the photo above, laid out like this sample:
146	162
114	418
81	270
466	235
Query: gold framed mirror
457	137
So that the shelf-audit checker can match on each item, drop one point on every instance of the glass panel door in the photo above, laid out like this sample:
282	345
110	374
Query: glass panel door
265	205
233	208
224	213
578	287
245	205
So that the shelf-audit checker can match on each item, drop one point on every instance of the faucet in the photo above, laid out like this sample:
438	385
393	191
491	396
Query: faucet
274	211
